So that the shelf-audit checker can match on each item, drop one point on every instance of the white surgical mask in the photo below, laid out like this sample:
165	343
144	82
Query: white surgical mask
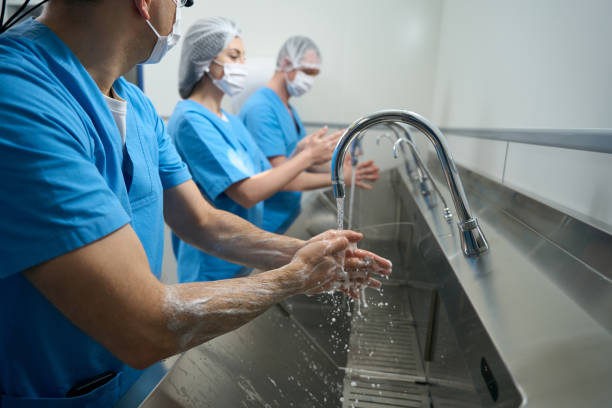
165	42
234	78
301	84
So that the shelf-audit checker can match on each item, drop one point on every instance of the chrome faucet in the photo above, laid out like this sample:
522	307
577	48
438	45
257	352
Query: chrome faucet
385	136
423	173
448	215
400	131
423	176
473	241
420	175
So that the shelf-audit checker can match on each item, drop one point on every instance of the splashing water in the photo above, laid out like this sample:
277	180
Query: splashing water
340	205
363	297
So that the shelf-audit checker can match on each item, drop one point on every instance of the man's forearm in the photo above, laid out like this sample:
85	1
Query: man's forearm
309	181
223	234
198	312
230	237
320	168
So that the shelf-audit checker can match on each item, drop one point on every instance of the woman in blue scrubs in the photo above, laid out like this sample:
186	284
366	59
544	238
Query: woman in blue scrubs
226	163
278	130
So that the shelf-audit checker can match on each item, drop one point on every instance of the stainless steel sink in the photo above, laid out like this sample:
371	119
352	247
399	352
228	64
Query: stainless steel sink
402	350
502	330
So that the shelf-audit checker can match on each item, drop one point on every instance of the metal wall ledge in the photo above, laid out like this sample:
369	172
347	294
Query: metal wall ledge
592	140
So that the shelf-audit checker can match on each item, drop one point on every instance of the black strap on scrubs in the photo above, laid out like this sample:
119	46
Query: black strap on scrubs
87	386
127	168
297	126
18	15
295	122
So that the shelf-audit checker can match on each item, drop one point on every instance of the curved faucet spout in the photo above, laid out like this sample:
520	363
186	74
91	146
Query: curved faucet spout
472	240
396	146
448	215
384	136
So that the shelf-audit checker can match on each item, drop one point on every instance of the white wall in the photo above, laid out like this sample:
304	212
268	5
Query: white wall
530	64
376	54
468	63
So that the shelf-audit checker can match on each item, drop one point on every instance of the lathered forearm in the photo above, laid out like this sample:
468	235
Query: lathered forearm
232	238
198	312
223	234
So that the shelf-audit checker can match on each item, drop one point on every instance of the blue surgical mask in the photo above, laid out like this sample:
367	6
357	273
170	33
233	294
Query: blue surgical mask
165	42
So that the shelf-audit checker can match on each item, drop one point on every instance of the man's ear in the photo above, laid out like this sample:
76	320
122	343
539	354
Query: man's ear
143	7
286	64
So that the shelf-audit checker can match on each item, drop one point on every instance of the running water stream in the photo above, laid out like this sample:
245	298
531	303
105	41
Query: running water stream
361	288
352	197
340	207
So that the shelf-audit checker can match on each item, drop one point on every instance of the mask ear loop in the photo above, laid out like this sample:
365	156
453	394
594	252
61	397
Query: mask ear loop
207	69
153	28
287	65
176	17
307	65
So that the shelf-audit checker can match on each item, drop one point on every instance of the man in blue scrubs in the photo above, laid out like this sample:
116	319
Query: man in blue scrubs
276	125
278	130
87	176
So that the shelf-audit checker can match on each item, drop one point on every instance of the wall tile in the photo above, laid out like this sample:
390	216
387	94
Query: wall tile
578	180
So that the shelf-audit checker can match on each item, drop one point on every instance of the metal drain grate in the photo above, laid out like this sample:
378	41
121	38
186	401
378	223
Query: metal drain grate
384	362
360	393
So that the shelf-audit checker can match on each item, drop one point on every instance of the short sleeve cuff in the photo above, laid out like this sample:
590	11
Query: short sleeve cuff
219	187
271	151
36	253
175	178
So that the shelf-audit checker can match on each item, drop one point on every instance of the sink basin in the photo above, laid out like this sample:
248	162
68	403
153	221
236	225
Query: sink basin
403	350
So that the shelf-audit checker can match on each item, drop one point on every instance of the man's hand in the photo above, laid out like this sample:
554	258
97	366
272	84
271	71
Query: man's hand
319	263
302	144
321	148
332	261
360	266
366	171
320	145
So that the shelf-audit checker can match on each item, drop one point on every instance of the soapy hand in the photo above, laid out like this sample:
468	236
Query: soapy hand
349	268
319	262
360	265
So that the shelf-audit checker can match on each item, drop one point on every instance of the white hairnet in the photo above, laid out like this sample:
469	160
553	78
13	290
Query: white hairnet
294	50
204	40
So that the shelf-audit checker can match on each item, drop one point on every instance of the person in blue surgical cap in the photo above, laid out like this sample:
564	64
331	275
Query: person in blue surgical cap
279	132
227	165
88	176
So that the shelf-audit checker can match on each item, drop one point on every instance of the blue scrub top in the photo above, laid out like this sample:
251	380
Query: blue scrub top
218	154
277	133
67	181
